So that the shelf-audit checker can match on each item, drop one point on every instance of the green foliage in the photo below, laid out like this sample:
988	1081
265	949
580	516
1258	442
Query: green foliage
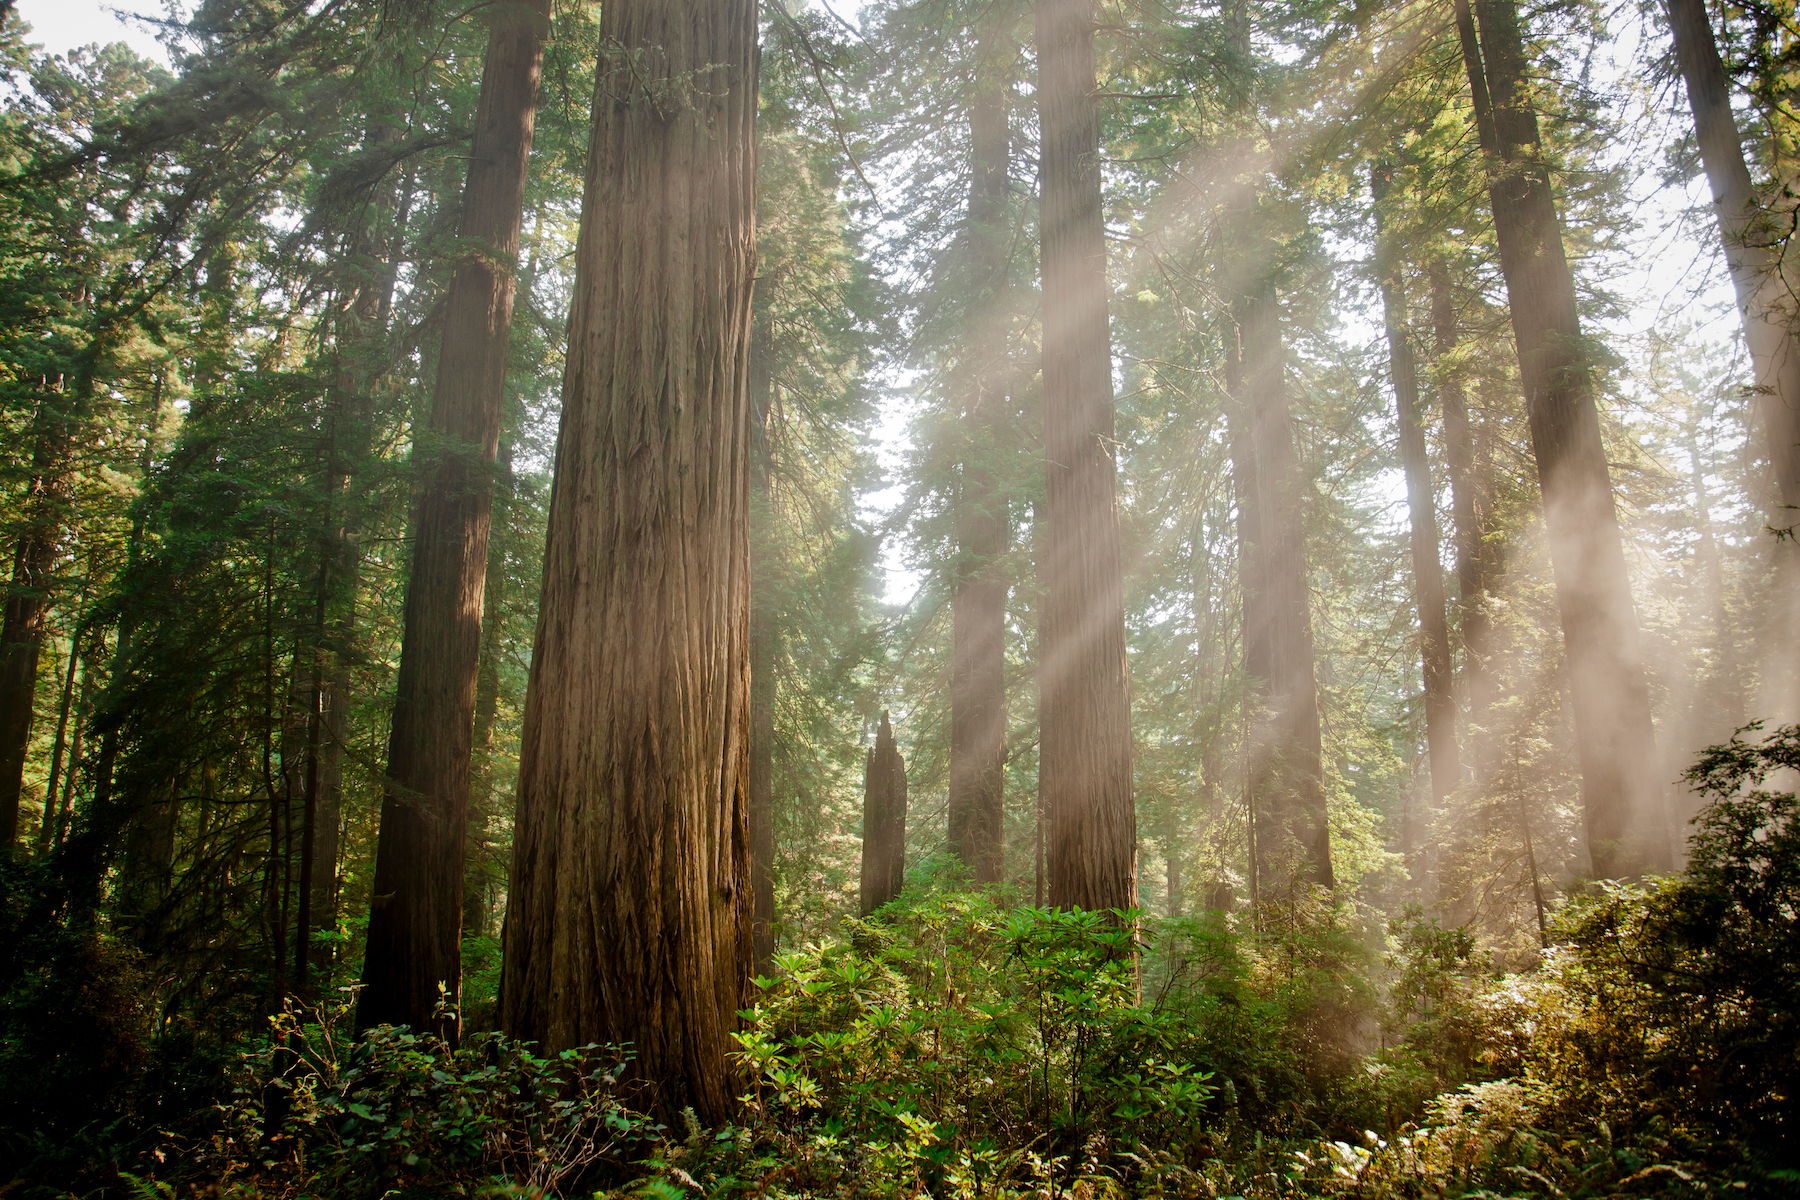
393	1112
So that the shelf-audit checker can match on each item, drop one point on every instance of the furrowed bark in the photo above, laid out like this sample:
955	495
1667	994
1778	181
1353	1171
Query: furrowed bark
1623	805
1085	749
629	913
415	923
978	601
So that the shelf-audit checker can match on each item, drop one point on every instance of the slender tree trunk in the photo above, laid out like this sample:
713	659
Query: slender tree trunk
629	915
27	605
483	873
65	704
884	821
978	601
1253	592
1428	570
1477	568
763	633
1622	799
1085	750
1752	248
414	943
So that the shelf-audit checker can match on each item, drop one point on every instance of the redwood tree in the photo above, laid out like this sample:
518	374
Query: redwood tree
1085	754
629	917
1622	800
978	597
884	821
415	922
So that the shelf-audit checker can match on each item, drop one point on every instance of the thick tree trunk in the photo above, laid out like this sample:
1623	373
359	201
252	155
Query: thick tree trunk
978	601
415	923
884	821
1291	833
1428	570
1751	248
27	604
1622	799
1085	749
484	874
629	914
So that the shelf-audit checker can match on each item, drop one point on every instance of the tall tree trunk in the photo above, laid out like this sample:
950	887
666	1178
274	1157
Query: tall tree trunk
1477	563
978	601
1085	747
1752	248
483	874
27	606
629	915
1428	569
414	945
1290	830
884	821
65	706
1622	799
764	600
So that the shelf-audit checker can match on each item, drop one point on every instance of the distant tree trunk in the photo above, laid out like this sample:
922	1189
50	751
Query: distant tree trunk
884	821
65	706
482	873
415	923
629	915
1622	800
1428	569
1477	566
1253	591
27	606
1752	247
1286	770
978	601
1085	747
763	599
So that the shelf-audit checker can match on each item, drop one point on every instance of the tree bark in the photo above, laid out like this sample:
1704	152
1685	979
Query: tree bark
884	821
763	633
629	910
1623	805
1085	751
27	606
1478	565
1292	842
415	923
1752	249
978	601
1428	569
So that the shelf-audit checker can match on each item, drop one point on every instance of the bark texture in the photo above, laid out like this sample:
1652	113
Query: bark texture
1624	809
884	821
415	922
1428	569
763	634
978	601
629	913
1085	754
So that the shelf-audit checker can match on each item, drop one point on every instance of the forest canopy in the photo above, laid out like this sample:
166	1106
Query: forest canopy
978	598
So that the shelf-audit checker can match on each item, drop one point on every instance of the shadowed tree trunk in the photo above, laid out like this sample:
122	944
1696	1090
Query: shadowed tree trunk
28	597
884	821
978	602
1085	747
1428	569
415	922
629	914
1624	810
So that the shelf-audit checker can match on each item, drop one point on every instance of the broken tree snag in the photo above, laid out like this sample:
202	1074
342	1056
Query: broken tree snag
884	821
